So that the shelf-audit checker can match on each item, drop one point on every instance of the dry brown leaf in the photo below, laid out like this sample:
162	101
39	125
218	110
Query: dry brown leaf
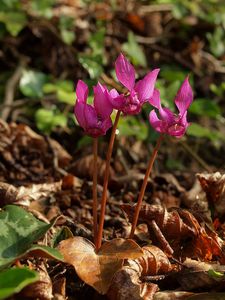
172	295
25	194
29	157
195	274
84	168
174	226
41	289
214	187
127	282
97	269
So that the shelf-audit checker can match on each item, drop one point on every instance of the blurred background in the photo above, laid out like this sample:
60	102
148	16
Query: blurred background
47	45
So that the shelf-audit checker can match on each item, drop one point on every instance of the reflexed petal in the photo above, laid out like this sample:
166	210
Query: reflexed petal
155	122
155	99
82	91
118	102
184	97
167	115
125	72
145	87
102	103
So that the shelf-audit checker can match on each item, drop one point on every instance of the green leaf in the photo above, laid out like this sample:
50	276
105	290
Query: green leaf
93	64
131	126
14	21
44	251
215	274
63	233
14	280
134	51
205	107
66	26
66	97
43	8
203	132
46	119
19	229
31	83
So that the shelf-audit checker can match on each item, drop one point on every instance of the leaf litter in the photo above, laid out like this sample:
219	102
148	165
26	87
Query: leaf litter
195	262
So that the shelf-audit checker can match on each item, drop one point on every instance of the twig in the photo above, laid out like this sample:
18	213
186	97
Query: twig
10	89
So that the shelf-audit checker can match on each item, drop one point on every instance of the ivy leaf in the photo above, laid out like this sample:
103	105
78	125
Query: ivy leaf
14	21
31	83
134	51
14	280
19	229
46	119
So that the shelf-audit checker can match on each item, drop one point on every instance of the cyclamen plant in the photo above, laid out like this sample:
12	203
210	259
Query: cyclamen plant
95	120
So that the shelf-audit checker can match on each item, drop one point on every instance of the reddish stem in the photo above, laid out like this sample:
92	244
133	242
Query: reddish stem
94	190
105	184
143	187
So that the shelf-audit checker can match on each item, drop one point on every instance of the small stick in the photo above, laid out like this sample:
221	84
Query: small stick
105	184
94	191
161	237
143	187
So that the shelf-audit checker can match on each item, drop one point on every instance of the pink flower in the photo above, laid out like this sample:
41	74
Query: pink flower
138	94
94	119
170	123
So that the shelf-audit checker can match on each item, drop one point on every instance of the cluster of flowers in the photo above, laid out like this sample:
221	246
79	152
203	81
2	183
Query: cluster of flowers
95	119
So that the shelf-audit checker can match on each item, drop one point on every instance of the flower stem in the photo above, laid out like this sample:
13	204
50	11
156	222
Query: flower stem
94	190
143	187
105	184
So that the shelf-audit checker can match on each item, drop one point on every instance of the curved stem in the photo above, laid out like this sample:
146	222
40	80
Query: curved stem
94	189
105	184
143	187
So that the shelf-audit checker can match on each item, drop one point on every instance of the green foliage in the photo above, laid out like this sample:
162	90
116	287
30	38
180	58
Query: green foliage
18	231
64	90
205	107
14	280
66	26
199	131
14	21
42	8
47	120
134	51
131	126
31	83
217	41
93	62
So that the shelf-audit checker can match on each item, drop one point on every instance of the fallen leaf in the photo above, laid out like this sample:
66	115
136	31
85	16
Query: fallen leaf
127	283
97	269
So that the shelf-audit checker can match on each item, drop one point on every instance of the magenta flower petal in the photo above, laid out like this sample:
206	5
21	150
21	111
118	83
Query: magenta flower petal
102	103
85	115
156	123
125	72
155	99
145	86
79	113
113	93
167	115
184	97
118	102
82	91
